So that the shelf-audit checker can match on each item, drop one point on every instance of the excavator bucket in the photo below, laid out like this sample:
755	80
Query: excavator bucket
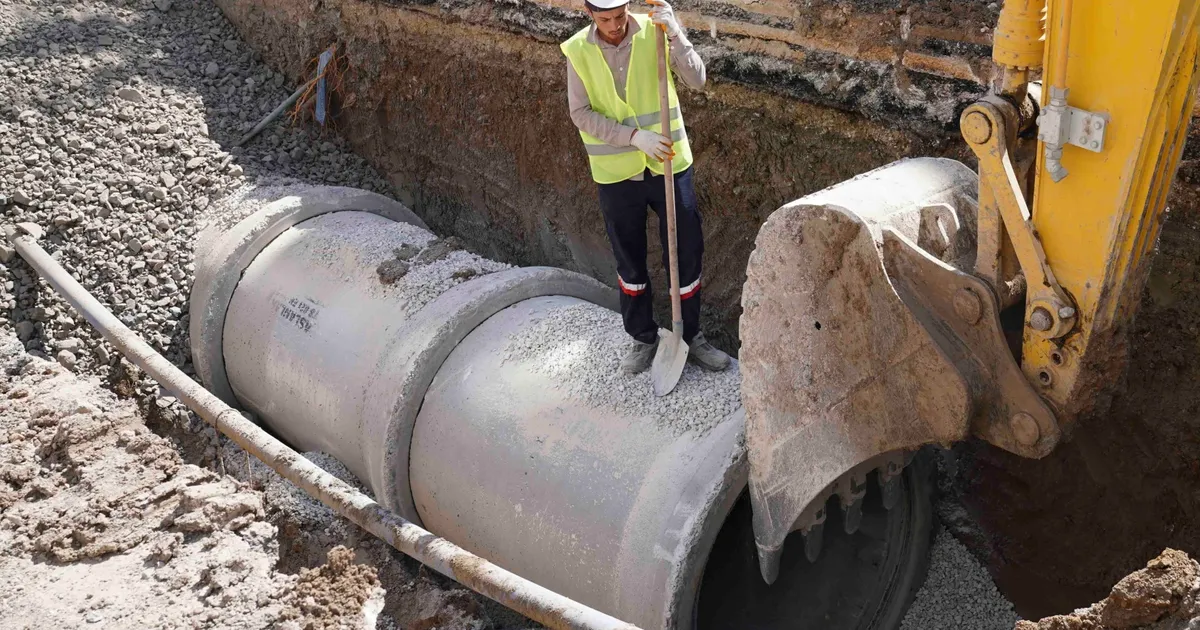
849	358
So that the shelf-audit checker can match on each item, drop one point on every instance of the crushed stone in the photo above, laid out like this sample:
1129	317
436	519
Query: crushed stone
118	151
958	593
374	244
425	282
580	346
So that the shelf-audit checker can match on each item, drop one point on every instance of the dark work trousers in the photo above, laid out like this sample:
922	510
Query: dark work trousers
624	206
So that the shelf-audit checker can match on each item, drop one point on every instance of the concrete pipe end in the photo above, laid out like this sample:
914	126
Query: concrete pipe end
724	479
232	235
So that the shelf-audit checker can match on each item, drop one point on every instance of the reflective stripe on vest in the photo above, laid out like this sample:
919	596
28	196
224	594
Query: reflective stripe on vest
639	109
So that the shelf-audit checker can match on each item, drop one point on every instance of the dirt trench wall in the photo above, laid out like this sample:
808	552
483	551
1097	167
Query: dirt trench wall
463	107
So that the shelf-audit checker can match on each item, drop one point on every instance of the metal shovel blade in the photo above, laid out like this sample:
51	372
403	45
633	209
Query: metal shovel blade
669	359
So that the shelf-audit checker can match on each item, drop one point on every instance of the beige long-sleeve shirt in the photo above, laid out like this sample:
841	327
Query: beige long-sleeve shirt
685	62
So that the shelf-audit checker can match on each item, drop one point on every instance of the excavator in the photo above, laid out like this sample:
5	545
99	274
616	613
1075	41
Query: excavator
1003	318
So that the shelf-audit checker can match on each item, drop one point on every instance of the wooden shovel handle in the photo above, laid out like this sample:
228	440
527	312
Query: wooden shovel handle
669	183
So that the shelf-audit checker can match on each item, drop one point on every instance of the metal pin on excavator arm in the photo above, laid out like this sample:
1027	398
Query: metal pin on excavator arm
889	288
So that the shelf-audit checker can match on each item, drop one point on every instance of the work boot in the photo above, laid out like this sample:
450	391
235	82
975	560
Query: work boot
705	355
639	357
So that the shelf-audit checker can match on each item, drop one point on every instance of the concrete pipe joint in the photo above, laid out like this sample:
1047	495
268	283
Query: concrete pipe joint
483	402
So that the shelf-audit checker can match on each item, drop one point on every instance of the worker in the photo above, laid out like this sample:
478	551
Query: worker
612	92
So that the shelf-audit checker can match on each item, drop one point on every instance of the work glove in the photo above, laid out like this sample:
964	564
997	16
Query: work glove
664	16
655	145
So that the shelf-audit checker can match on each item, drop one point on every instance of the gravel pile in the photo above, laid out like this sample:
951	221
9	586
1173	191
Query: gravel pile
958	593
115	120
581	347
413	265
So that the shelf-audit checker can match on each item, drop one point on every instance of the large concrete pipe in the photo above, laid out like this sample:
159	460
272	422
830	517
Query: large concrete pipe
617	506
481	401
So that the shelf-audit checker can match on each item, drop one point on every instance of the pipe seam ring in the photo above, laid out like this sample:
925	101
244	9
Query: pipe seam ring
220	268
421	347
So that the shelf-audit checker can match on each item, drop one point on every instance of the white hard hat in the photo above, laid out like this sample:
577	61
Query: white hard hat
605	5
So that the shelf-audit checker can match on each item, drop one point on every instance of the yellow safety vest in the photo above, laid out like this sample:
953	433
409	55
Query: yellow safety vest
639	109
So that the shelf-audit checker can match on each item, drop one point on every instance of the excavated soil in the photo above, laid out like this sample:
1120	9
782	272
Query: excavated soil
1161	596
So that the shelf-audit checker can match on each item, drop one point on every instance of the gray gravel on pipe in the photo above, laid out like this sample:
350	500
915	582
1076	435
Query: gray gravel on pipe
958	593
594	340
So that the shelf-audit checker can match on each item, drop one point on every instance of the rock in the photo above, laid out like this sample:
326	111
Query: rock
105	40
159	193
162	5
20	197
194	163
212	70
231	45
24	330
6	253
390	271
134	245
70	343
167	179
66	358
235	170
131	95
102	354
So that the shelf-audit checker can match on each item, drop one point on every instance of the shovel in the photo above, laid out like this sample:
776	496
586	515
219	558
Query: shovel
672	352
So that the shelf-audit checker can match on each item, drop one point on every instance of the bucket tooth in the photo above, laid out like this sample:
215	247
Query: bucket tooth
890	489
853	517
851	488
768	563
812	542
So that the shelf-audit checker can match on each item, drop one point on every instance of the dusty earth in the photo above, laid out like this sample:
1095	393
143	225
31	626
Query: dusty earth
104	525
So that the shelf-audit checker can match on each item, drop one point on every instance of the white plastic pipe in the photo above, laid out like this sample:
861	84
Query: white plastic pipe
529	599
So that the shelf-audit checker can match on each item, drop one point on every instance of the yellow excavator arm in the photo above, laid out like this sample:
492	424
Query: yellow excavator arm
1131	65
924	303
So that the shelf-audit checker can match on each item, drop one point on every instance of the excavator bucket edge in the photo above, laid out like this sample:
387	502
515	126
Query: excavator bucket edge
838	375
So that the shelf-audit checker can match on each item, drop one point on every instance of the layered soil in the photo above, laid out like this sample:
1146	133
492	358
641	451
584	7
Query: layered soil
463	108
